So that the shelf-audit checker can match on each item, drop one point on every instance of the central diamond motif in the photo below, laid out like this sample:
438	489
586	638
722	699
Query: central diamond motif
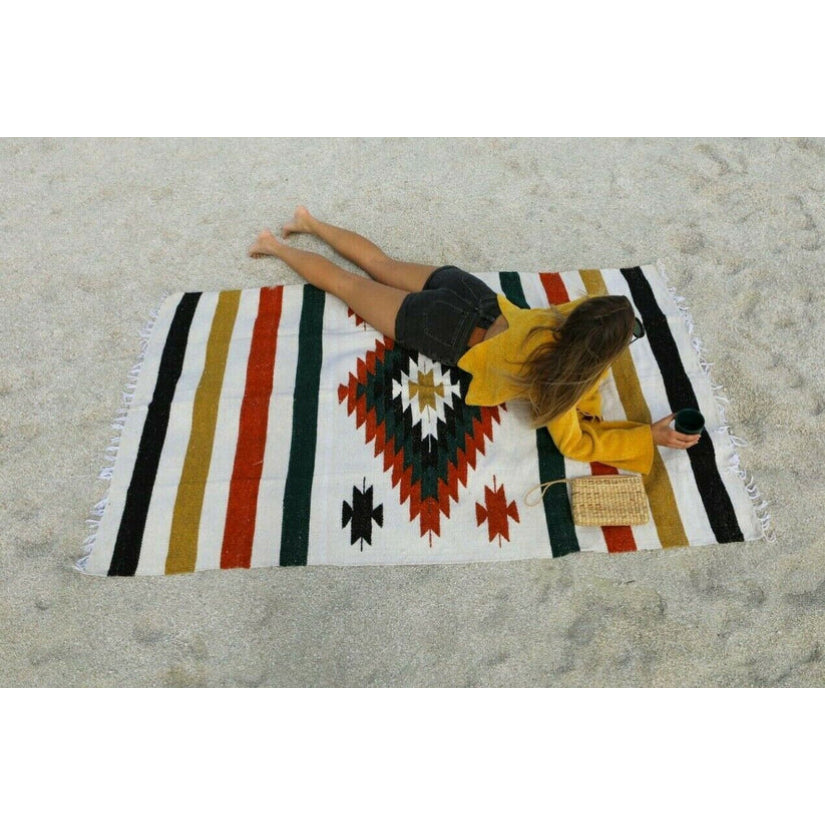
427	394
412	411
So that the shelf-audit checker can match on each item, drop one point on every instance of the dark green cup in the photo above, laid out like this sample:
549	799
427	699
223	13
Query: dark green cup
689	422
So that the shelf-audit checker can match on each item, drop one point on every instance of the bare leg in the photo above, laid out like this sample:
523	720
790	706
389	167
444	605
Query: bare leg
376	303
362	252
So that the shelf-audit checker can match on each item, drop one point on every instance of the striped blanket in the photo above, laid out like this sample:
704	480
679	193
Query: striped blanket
272	427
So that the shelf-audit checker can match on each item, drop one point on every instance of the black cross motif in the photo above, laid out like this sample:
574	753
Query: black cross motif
362	515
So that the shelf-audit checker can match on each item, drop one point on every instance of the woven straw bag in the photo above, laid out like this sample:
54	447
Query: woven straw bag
601	501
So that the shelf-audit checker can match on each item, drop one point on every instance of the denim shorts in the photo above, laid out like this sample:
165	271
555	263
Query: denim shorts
438	320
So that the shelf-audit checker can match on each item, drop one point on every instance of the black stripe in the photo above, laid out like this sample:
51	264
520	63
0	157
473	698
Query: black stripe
298	487
715	498
557	513
136	508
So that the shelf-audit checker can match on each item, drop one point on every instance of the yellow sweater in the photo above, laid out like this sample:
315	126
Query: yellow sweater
580	433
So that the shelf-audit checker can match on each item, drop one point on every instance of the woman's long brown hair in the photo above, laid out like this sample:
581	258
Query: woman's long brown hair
557	373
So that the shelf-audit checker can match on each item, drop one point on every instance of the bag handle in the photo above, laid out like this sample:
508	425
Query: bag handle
543	489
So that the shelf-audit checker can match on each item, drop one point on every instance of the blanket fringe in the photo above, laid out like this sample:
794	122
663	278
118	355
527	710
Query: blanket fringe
110	453
760	506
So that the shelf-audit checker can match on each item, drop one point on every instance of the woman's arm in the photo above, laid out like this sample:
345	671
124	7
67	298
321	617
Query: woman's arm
626	445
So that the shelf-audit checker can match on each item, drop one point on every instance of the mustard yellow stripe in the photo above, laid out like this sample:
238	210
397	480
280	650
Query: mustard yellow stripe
659	490
183	542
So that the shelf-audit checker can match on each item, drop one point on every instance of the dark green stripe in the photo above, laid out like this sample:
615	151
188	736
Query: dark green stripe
557	512
511	287
298	490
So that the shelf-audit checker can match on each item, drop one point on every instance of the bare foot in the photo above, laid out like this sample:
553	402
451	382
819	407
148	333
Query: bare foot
301	222
266	244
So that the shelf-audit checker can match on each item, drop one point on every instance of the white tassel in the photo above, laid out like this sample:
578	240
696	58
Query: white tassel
119	424
722	401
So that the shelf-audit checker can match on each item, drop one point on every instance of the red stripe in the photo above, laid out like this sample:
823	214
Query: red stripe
241	510
554	288
618	539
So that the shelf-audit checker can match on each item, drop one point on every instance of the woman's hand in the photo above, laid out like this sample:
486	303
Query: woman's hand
665	436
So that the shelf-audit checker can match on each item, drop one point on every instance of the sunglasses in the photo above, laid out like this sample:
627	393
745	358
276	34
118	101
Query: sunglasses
638	331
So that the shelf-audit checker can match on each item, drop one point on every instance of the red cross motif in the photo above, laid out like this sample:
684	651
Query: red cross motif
497	512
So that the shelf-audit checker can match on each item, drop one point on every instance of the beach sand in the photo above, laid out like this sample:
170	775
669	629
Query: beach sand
96	232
